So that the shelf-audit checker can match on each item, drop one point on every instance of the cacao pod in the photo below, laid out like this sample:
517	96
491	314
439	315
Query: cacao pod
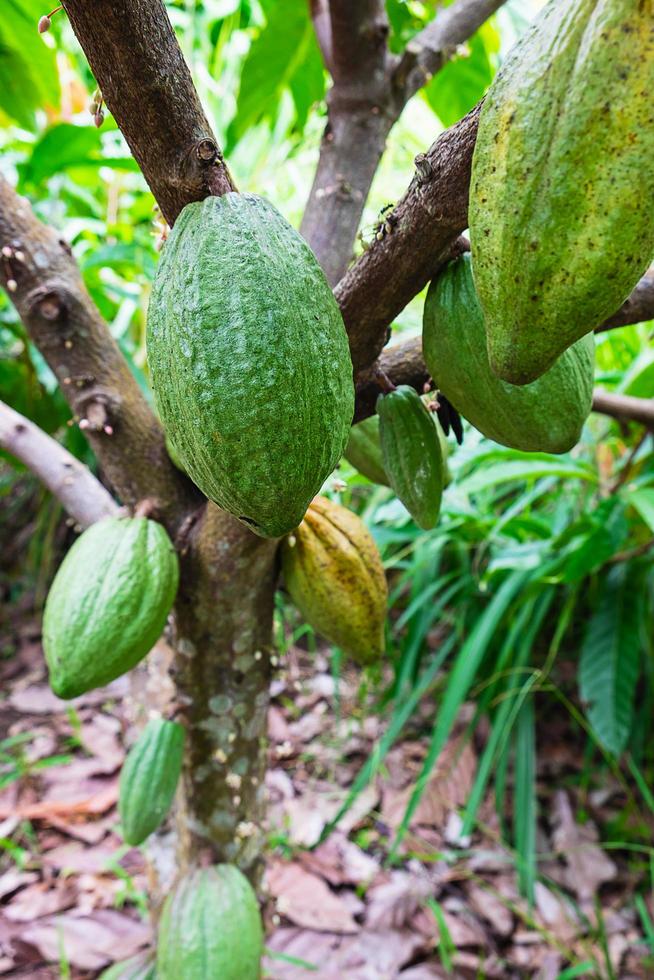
149	778
563	179
250	361
545	416
210	928
140	967
108	603
412	454
334	575
363	451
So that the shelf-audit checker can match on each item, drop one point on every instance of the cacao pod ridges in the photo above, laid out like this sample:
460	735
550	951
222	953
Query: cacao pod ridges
108	603
412	454
334	575
149	778
250	361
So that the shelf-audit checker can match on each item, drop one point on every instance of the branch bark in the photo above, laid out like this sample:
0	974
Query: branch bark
43	281
371	88
433	47
146	83
404	365
72	483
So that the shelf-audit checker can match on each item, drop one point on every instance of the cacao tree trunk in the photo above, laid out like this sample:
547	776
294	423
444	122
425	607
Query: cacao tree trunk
222	674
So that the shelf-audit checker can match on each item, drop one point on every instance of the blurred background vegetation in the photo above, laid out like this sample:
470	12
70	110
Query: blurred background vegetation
533	599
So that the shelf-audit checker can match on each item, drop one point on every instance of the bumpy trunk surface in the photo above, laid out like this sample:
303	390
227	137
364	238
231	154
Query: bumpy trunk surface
222	673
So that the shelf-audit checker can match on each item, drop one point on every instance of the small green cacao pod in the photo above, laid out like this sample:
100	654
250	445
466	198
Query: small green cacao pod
363	451
210	928
334	574
140	967
149	778
250	361
544	416
412	453
563	181
108	603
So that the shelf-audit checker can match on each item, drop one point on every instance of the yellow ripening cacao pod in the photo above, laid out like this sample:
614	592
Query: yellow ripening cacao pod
334	575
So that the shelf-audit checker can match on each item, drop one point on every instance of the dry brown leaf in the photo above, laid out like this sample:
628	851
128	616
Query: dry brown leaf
88	942
308	815
99	802
13	879
555	914
340	862
448	787
40	899
392	904
306	900
74	858
367	956
587	864
490	907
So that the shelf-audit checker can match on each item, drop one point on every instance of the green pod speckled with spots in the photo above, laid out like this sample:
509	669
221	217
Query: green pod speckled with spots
250	361
334	574
141	967
210	928
149	778
563	180
412	454
108	603
545	416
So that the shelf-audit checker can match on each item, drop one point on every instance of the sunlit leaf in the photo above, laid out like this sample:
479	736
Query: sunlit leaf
28	72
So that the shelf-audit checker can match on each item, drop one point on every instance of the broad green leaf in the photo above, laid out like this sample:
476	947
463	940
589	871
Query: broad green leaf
531	467
643	501
283	56
462	82
61	146
611	656
28	71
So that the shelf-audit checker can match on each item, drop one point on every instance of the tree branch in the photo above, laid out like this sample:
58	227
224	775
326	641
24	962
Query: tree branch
638	308
146	83
426	224
624	407
72	483
322	26
433	47
43	282
355	135
403	364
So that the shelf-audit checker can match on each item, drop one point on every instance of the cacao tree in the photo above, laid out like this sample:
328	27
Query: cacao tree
264	347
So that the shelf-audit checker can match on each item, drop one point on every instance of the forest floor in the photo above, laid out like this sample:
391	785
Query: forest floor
72	896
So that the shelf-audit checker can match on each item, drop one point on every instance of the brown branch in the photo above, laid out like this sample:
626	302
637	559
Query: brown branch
624	407
72	483
43	282
319	10
371	88
146	83
403	364
637	308
355	135
426	224
433	47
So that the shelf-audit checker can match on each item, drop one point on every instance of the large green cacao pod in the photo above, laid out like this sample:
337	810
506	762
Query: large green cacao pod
547	415
210	928
250	361
563	180
363	451
412	454
149	778
108	603
334	575
140	967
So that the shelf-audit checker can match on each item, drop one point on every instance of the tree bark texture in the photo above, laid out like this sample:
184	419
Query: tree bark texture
147	85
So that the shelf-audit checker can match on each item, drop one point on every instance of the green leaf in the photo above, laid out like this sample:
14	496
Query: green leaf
643	502
461	83
61	146
28	70
529	466
524	808
610	657
284	56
